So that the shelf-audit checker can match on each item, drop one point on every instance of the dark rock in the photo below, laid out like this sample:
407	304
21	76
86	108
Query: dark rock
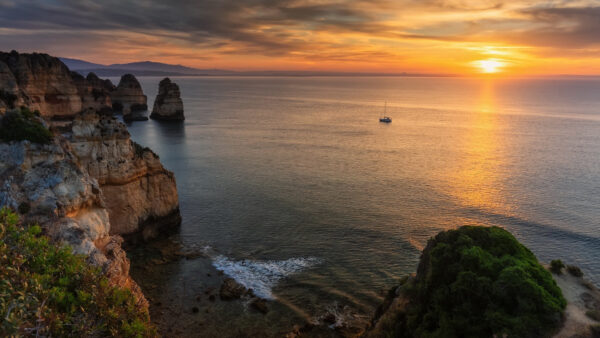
260	305
195	309
230	289
168	104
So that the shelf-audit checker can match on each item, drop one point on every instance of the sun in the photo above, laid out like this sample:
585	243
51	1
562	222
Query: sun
489	66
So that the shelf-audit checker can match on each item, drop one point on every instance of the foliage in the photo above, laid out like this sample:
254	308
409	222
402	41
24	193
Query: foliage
45	290
574	271
556	266
480	282
23	124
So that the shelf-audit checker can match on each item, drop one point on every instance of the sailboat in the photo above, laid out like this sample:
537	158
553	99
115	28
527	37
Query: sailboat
385	118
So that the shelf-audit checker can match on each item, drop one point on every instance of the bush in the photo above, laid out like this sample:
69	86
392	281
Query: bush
481	282
45	290
22	124
574	271
556	266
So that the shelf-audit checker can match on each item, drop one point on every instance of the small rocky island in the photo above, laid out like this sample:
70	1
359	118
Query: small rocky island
168	105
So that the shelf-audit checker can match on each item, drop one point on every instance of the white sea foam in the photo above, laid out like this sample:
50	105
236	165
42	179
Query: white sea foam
262	276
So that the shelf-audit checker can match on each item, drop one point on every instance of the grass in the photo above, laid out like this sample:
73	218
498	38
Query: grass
23	124
45	290
480	282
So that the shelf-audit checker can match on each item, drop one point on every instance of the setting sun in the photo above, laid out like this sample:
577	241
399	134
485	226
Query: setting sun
489	66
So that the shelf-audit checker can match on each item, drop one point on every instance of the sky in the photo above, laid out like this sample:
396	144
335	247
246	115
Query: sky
462	37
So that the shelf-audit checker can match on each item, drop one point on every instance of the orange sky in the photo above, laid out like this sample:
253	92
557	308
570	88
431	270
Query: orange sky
464	37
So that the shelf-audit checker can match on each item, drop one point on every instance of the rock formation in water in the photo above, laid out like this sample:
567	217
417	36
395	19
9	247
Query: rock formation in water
94	92
141	193
39	81
129	99
168	104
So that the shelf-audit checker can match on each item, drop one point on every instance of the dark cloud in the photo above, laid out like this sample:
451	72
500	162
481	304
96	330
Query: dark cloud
568	27
193	21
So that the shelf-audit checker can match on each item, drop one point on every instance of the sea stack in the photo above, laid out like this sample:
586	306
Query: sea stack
168	105
129	99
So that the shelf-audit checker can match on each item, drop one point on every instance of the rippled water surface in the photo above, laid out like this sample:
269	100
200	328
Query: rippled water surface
293	187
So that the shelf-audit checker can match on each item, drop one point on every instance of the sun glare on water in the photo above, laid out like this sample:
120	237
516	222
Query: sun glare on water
489	66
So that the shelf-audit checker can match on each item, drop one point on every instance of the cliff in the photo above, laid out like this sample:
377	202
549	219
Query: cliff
39	81
86	182
94	92
129	99
45	183
168	104
142	194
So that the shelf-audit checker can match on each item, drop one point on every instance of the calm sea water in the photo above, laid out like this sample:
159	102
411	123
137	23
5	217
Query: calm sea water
293	187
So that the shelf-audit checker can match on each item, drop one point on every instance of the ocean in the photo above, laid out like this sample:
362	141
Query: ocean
291	186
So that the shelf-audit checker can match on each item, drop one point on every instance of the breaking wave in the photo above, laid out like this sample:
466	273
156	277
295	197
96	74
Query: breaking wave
262	276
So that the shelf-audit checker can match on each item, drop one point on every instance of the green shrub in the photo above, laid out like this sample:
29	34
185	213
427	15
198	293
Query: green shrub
45	290
22	124
556	266
574	271
481	282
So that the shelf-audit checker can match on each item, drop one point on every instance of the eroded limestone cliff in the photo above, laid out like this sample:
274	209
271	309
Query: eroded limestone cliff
92	183
39	81
46	184
141	195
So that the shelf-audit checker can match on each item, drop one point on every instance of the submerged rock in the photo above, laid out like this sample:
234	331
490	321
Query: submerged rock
230	289
129	99
260	305
168	104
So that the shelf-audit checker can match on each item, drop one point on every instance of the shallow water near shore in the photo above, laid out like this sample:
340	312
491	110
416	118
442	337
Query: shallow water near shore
292	187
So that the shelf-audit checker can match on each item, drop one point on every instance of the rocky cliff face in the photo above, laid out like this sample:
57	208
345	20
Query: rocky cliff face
141	193
91	184
168	104
94	92
46	184
41	82
129	99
